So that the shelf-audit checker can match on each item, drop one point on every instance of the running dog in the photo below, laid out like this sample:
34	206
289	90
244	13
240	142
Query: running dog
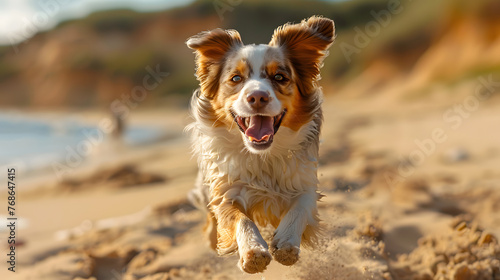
257	119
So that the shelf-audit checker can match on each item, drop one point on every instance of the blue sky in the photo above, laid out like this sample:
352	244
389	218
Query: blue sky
21	19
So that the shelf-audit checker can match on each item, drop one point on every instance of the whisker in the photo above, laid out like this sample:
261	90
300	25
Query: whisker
216	121
231	127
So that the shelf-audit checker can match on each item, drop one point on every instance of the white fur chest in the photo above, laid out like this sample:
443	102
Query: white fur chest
285	172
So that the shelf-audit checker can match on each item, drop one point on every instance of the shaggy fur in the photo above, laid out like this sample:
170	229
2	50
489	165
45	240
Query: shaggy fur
249	178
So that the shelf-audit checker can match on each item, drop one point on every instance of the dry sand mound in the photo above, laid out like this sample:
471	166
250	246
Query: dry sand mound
463	252
118	177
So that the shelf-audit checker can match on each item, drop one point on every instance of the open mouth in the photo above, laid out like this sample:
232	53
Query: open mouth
259	130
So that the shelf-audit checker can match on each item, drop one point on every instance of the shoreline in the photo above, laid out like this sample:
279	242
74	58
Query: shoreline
159	126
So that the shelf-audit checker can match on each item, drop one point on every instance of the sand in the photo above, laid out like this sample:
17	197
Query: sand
385	216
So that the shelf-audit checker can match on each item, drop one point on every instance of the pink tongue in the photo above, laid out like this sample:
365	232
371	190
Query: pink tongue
260	127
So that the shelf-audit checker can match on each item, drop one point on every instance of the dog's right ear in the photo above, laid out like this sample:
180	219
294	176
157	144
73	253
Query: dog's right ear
211	47
214	44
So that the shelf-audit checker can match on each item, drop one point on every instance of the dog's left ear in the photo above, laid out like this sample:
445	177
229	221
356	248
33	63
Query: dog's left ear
305	45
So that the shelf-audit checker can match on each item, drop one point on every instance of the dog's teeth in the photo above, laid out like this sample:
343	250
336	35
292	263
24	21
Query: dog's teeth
247	121
265	138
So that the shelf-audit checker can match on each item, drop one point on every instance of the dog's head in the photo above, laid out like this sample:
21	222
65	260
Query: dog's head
260	88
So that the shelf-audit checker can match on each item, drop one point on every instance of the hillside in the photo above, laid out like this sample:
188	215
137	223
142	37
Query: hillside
92	61
461	45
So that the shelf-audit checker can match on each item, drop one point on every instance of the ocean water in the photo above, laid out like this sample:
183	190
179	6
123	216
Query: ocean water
34	144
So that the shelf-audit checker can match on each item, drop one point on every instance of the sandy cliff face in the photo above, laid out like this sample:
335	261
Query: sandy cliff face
471	44
464	45
95	61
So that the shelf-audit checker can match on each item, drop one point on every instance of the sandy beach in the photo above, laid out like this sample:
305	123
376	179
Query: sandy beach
397	205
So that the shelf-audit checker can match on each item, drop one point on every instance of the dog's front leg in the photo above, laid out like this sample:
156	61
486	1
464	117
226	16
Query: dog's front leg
301	221
234	228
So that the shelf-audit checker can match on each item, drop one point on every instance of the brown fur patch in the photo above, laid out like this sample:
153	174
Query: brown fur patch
211	48
242	68
305	45
272	67
228	91
222	105
299	112
210	230
263	216
228	216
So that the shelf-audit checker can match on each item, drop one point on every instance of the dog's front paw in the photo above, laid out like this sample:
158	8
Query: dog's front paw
286	253
254	260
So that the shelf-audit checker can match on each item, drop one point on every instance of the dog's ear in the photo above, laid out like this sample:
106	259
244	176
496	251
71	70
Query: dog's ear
305	45
211	47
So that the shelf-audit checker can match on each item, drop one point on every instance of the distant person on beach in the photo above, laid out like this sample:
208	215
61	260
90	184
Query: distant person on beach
118	126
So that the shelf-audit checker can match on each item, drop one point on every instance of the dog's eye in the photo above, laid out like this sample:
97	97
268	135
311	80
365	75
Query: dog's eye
279	77
236	79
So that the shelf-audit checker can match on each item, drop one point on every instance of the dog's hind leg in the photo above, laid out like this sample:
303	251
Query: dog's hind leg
300	224
235	231
199	198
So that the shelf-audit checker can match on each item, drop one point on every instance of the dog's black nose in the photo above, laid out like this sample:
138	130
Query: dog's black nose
258	99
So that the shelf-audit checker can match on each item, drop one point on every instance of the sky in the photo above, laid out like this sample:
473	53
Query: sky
21	19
